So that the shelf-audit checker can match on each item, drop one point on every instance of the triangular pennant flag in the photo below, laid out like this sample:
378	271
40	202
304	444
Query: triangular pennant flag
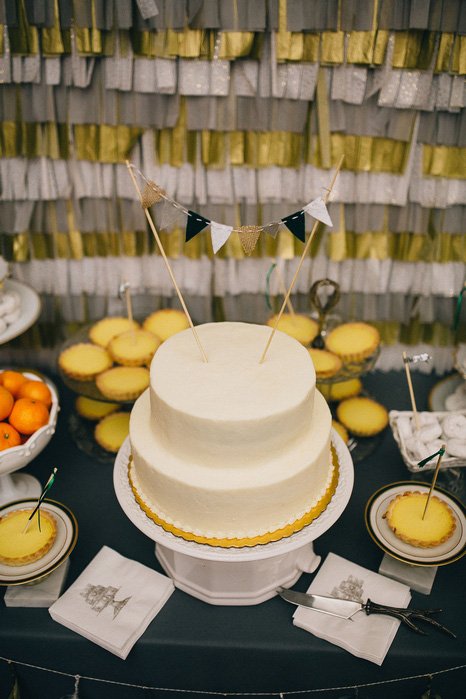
317	209
295	223
195	224
152	194
272	229
249	235
220	234
165	215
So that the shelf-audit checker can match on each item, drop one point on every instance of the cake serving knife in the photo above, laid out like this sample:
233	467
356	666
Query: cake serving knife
346	609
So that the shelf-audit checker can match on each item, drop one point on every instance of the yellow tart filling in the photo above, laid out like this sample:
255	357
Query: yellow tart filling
339	390
112	431
16	548
353	342
106	329
300	327
166	322
92	409
83	361
362	416
325	363
405	518
133	348
123	382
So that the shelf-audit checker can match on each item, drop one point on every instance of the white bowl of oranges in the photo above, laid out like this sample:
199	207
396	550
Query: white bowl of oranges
28	416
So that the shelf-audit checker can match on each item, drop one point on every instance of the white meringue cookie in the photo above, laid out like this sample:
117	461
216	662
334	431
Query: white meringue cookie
435	446
456	447
12	317
454	427
456	401
425	419
403	424
3	325
416	448
9	301
430	431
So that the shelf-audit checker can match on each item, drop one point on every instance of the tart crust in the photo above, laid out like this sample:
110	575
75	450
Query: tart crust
122	383
302	328
134	348
111	431
84	361
325	363
353	342
404	517
362	416
18	549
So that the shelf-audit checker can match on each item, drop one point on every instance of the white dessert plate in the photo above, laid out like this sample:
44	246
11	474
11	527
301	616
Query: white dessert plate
451	550
67	534
30	309
441	391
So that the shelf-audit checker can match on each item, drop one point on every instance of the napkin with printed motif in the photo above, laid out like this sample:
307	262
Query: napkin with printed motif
368	637
113	601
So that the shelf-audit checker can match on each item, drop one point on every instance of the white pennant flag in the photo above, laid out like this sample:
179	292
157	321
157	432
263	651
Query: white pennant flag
317	209
220	234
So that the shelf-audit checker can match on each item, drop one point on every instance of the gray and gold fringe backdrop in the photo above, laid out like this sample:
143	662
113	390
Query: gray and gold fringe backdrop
240	111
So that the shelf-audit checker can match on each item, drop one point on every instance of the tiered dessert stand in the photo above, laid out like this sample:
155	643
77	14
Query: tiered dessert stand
240	576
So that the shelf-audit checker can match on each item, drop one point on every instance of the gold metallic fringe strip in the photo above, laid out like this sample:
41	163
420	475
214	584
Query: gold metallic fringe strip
339	245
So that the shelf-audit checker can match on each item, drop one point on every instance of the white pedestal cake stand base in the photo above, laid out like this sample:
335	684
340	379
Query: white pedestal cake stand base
241	576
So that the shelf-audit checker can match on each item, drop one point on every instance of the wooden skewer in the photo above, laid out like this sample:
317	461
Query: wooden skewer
283	288
303	256
434	480
411	392
129	309
167	264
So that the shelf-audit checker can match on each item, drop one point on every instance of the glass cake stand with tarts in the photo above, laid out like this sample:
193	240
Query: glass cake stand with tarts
108	391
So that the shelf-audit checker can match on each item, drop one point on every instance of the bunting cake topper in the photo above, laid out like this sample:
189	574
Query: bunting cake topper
220	233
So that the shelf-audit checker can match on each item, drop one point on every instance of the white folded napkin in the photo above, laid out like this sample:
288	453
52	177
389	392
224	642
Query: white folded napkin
365	636
113	601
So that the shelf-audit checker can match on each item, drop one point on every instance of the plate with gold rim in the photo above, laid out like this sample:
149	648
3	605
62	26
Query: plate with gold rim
67	534
379	530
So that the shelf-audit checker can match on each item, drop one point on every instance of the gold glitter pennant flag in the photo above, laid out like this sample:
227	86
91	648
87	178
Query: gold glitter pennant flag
249	235
152	194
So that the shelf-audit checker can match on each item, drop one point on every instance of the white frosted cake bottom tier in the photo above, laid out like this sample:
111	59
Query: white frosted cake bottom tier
242	501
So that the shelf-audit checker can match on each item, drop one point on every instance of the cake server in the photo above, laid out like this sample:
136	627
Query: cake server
346	609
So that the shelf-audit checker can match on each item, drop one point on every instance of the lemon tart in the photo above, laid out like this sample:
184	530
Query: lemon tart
339	390
111	431
405	517
300	327
18	549
362	416
84	360
134	348
325	363
353	342
91	409
106	329
341	429
123	382
166	322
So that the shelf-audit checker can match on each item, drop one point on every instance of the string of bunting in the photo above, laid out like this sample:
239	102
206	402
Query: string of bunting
249	235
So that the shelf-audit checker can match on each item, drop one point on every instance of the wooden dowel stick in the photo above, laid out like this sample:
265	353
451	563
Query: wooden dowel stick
303	256
434	479
129	309
283	288
167	264
411	392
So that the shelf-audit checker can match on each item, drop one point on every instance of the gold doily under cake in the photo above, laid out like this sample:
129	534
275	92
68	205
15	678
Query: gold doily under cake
266	538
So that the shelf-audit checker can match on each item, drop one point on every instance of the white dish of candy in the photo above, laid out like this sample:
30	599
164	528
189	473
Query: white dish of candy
435	429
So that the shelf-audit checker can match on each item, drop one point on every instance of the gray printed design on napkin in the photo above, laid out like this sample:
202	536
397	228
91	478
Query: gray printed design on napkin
99	598
352	589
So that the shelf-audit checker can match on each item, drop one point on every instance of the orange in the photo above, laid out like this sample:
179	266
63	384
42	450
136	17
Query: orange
9	437
28	415
12	381
37	390
6	402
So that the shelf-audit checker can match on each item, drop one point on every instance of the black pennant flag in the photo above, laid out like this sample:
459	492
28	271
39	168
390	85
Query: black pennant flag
195	224
295	223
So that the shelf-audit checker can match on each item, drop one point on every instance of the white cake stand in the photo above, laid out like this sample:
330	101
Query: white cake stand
240	576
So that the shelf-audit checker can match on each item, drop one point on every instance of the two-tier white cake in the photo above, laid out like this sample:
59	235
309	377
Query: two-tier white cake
232	449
